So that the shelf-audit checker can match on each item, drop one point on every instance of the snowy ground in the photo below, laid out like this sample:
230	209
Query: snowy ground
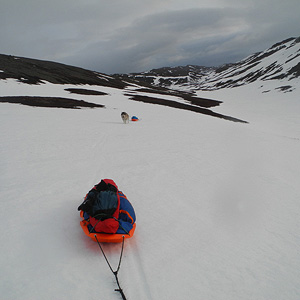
217	202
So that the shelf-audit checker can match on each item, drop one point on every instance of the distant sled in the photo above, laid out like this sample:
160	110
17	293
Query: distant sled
104	237
134	118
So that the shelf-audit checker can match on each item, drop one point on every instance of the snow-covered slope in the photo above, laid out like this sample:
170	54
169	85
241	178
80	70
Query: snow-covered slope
217	202
280	64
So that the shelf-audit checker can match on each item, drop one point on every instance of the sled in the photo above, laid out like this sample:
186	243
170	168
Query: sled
134	119
104	237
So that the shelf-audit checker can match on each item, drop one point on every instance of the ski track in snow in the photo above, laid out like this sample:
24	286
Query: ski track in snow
217	202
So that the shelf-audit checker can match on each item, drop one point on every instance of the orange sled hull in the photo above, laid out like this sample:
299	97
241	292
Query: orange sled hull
105	237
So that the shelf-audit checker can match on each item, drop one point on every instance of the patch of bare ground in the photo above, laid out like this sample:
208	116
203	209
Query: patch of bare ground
57	102
179	105
85	92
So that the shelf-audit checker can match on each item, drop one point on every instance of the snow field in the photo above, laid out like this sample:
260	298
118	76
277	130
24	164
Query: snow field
217	202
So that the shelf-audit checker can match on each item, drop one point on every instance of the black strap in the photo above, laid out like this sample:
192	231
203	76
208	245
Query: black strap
121	225
119	265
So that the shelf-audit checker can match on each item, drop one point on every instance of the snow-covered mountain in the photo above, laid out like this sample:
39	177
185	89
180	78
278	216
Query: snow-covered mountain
181	77
280	63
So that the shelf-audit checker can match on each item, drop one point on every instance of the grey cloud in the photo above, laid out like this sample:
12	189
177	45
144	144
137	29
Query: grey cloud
170	38
132	35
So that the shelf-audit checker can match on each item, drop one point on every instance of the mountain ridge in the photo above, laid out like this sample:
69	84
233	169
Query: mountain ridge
279	62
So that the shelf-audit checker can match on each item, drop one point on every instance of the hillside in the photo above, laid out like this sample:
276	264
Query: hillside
34	71
78	81
280	63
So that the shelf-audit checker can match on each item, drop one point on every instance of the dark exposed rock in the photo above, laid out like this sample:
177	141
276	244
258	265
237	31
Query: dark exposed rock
85	92
49	102
189	97
285	88
282	42
295	71
179	105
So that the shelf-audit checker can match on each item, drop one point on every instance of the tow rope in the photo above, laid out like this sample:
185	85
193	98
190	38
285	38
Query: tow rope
119	265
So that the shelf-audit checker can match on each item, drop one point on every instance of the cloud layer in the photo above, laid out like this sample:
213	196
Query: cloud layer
122	36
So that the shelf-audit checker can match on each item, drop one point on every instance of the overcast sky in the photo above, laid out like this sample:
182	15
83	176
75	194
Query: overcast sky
124	36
